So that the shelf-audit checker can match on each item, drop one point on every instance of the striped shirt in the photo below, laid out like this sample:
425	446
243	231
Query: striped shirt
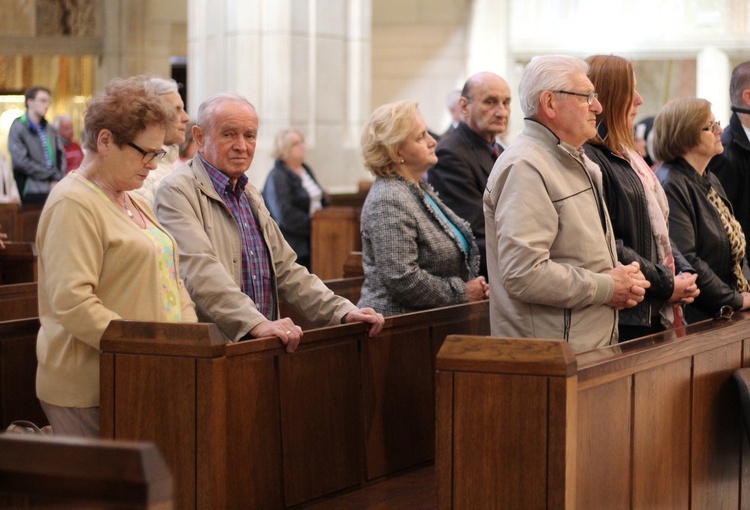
256	266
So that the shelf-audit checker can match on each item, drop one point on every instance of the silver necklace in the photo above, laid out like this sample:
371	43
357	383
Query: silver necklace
110	193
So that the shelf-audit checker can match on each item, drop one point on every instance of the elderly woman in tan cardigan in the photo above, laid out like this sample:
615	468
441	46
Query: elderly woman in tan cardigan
102	254
416	253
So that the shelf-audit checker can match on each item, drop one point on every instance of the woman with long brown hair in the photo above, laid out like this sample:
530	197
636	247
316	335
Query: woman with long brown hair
636	203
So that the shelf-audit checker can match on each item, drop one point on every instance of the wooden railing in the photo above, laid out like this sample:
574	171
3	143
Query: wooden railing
20	221
18	263
651	423
68	473
334	235
247	425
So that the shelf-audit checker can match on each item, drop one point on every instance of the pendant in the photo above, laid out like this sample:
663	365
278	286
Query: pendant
129	213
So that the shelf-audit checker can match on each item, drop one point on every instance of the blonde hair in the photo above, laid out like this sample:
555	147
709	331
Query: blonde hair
386	129
281	143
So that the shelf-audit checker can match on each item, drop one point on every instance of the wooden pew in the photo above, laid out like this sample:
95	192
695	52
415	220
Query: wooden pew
18	301
334	234
349	288
353	265
651	423
18	263
18	373
68	473
9	220
20	221
247	425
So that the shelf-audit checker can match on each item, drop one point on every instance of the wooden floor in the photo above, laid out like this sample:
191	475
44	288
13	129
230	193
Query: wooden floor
415	490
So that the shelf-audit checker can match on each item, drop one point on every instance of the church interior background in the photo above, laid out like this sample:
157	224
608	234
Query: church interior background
323	65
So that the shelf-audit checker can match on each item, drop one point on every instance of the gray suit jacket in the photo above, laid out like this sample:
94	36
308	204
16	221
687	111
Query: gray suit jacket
412	259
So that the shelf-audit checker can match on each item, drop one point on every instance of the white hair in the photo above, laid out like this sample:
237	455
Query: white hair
547	72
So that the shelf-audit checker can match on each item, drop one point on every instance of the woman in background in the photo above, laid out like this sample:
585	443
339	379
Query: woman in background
416	253
701	223
188	148
636	203
102	254
291	192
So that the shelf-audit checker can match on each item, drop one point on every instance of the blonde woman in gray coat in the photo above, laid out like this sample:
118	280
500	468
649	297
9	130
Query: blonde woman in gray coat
416	253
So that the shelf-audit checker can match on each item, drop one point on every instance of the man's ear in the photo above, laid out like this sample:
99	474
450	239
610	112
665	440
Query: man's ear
548	104
746	97
198	136
463	106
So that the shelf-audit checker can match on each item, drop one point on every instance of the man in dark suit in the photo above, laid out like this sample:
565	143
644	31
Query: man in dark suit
733	166
466	155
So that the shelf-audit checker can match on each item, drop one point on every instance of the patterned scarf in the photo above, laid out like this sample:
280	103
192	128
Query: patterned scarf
658	212
736	239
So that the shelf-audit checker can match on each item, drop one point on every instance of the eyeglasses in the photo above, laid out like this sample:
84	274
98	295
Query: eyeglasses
714	127
590	97
148	156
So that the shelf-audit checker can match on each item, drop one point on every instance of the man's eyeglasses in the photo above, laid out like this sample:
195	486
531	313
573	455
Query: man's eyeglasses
714	127
148	156
590	97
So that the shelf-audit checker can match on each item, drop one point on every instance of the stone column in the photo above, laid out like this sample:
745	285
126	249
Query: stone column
489	50
713	72
302	63
489	37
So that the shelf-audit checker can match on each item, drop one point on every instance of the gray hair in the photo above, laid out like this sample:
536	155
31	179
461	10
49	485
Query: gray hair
548	72
60	118
161	86
207	108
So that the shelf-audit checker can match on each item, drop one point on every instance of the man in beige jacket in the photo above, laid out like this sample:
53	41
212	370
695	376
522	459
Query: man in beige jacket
551	252
233	258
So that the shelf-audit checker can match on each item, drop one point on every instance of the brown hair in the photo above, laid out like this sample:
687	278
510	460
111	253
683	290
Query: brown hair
385	130
614	81
677	127
126	108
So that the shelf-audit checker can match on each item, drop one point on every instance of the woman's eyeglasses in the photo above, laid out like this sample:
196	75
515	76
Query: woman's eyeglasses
148	156
715	127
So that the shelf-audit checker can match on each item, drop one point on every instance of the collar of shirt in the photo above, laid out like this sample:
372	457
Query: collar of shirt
222	183
747	131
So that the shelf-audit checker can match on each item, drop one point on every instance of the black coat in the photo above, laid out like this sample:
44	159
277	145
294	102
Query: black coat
289	204
732	167
628	211
460	177
695	227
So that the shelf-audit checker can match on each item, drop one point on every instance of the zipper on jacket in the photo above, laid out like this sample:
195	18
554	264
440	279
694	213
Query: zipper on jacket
567	314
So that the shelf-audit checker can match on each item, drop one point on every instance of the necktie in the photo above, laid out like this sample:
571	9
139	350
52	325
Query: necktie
495	152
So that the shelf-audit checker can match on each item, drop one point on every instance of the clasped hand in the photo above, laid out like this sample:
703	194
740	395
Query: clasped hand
630	286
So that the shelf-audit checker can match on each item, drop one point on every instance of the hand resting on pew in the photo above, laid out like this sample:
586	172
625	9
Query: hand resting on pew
287	331
367	315
290	334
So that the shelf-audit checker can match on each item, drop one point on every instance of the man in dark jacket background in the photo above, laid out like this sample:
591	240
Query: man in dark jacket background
733	165
37	154
467	154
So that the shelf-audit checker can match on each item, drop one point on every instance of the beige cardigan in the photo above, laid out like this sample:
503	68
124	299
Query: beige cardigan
95	266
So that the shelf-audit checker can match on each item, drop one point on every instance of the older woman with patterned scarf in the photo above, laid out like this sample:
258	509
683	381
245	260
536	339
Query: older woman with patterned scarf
416	253
701	223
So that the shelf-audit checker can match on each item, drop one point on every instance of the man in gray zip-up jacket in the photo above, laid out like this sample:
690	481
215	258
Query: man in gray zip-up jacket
551	253
37	153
